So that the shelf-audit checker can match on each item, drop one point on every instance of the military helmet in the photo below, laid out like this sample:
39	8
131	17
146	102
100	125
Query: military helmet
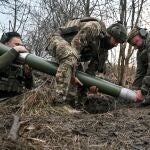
118	31
136	31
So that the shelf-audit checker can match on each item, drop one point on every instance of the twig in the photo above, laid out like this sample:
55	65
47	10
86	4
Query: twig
14	129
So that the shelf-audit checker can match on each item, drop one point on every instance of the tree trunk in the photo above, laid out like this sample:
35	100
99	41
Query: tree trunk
87	8
15	16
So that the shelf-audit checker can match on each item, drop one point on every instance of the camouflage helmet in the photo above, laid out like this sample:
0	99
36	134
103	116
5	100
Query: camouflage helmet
118	31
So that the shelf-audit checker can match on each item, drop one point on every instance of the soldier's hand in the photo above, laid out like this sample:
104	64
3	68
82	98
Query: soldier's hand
76	81
139	96
93	89
27	70
20	49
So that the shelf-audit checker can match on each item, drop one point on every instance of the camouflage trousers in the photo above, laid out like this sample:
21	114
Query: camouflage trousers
67	57
77	95
146	89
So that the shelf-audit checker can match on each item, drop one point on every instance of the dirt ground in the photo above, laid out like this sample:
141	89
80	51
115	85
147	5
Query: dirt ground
105	125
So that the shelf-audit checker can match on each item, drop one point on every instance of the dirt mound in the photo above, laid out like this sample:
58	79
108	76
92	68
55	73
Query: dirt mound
106	123
42	127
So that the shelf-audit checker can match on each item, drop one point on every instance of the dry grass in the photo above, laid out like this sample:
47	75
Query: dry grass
43	127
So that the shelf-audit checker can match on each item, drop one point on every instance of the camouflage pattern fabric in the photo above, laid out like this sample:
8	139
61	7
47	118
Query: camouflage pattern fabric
69	53
12	78
67	58
142	64
142	80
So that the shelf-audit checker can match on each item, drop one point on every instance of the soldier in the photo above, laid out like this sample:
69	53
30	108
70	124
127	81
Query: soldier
13	77
82	40
140	39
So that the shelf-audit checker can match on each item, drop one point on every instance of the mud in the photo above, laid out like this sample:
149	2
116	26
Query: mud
111	126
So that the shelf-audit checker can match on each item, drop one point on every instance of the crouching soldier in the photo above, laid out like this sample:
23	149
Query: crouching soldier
140	39
82	40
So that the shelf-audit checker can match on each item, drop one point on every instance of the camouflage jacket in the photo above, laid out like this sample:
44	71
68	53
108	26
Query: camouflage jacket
142	78
12	78
87	42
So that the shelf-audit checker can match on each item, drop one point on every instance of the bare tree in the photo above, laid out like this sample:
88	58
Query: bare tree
135	10
51	16
18	12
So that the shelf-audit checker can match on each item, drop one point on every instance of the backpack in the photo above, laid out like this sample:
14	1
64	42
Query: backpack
72	27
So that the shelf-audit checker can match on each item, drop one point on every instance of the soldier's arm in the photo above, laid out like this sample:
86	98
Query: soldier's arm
140	73
29	82
145	88
87	34
7	58
97	64
102	62
92	66
28	77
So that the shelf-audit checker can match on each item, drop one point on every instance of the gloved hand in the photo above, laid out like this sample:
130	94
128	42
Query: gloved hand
93	89
139	96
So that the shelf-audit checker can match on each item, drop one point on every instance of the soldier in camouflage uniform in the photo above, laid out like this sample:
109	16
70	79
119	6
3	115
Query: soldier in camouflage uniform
140	39
13	77
82	40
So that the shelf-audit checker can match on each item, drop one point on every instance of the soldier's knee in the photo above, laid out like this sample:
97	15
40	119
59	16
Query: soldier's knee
64	71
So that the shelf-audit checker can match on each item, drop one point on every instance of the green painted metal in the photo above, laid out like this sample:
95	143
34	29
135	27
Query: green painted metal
42	65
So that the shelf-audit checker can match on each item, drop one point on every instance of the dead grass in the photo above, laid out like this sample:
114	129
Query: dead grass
43	127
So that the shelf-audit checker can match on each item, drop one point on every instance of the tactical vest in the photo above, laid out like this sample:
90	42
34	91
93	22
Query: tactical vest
11	79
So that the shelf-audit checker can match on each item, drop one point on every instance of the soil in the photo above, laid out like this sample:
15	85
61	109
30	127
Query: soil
105	124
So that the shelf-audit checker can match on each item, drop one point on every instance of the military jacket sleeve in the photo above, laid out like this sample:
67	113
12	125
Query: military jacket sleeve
87	34
145	88
92	66
7	58
28	77
90	32
140	73
97	64
29	82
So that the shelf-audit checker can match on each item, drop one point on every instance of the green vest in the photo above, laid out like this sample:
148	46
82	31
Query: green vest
11	79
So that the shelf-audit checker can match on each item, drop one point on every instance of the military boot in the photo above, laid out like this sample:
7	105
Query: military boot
62	106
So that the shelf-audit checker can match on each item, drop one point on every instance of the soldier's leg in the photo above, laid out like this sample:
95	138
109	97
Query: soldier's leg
82	97
67	57
81	93
62	82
